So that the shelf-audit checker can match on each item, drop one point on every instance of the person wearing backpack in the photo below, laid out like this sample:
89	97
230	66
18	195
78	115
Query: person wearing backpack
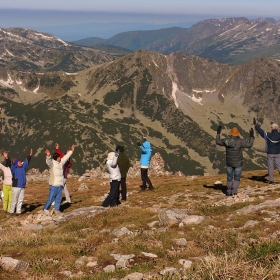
234	156
272	148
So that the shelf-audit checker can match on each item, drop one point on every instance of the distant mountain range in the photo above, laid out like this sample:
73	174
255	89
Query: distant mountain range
53	91
228	40
105	30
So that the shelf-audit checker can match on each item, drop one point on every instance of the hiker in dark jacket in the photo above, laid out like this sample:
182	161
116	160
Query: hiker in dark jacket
124	164
272	148
234	156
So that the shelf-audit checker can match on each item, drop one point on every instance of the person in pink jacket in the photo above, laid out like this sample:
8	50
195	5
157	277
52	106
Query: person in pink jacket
7	183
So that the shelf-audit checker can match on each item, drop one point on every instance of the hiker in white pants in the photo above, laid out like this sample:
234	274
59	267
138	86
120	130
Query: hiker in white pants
19	181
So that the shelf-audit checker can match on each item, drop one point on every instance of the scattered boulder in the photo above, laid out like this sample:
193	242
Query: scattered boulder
10	264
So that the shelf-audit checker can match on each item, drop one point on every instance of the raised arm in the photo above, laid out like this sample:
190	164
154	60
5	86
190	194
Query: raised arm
48	158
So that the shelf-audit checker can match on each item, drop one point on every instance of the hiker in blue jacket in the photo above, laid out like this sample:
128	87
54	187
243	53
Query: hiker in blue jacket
272	148
145	162
18	182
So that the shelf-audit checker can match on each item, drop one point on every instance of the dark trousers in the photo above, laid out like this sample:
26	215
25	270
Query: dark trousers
112	198
123	188
145	179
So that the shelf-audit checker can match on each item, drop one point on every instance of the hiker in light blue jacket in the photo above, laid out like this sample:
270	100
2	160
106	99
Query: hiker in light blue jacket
145	162
272	148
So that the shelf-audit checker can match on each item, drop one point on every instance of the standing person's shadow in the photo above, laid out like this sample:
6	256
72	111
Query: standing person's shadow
30	207
259	178
218	187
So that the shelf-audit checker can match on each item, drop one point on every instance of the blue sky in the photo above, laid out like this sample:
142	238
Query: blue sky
211	7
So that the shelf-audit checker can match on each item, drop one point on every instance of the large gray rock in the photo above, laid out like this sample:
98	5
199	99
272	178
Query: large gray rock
10	264
169	217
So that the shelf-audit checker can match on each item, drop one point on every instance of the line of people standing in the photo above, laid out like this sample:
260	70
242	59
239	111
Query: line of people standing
118	164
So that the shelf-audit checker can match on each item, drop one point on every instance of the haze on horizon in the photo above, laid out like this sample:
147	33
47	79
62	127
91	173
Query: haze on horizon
40	15
160	11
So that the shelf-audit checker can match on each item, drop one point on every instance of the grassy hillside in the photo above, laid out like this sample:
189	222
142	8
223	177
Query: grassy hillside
238	238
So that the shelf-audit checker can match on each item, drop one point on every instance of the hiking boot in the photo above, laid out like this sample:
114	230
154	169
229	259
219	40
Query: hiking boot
151	189
271	182
47	212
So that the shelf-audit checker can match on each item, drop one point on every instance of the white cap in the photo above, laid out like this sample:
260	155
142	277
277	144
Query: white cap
110	155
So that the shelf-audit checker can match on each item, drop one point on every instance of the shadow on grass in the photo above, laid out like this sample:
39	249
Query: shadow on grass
259	178
218	187
31	207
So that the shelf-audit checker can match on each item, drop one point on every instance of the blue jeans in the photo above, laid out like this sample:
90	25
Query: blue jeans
55	195
234	173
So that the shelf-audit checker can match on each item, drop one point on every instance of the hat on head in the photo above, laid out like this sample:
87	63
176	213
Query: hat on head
121	148
110	155
16	161
234	132
274	126
56	156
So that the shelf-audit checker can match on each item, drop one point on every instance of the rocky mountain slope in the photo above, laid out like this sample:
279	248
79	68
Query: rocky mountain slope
29	50
177	100
229	40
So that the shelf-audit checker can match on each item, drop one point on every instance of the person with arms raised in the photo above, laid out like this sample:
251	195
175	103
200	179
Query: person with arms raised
19	182
56	180
234	156
272	148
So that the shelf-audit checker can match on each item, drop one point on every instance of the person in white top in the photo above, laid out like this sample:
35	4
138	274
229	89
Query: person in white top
7	183
56	180
115	179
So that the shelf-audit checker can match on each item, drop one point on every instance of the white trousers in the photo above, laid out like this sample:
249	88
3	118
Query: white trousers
18	196
66	192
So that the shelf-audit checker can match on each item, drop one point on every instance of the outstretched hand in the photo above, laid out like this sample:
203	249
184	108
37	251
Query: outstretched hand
254	121
31	152
219	129
48	153
72	148
251	132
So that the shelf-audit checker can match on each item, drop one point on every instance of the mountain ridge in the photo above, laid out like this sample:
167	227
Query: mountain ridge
228	40
178	100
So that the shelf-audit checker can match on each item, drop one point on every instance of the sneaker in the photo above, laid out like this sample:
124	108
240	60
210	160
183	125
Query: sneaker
271	182
64	202
47	212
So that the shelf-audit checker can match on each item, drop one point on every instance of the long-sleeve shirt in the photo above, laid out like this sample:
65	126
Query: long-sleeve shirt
7	175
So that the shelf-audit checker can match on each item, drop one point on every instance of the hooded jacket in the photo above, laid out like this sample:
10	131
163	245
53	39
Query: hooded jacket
19	173
234	145
272	140
146	154
56	170
113	168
